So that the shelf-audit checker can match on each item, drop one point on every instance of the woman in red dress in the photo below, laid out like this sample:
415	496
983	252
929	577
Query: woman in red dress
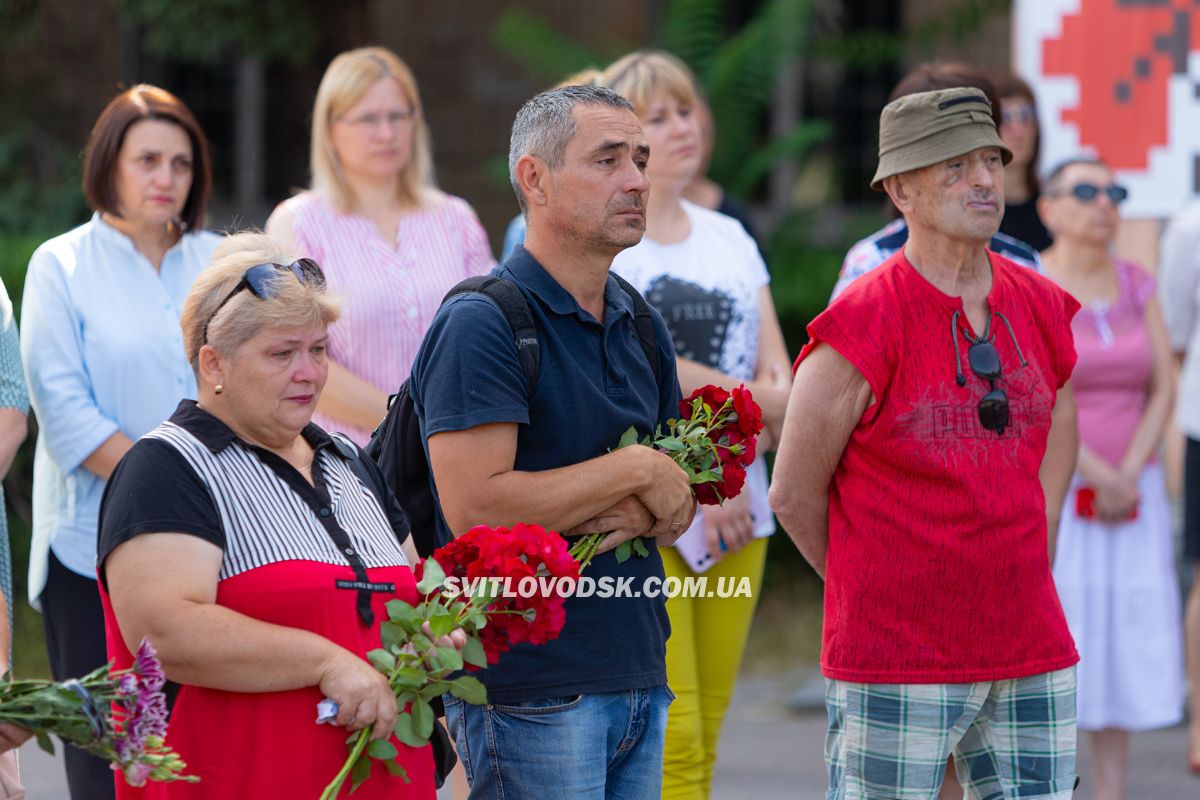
256	552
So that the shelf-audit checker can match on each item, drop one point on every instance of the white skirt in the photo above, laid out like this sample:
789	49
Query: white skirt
1120	591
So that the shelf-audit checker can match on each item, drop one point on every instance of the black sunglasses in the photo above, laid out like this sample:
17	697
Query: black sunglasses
261	281
1087	192
984	360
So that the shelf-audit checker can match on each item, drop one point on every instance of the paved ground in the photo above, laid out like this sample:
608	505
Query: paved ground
770	752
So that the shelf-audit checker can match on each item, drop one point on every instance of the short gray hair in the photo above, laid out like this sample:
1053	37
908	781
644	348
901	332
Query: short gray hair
546	123
1054	178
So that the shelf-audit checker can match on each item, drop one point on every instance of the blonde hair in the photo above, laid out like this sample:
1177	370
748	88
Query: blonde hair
585	77
241	318
346	80
644	74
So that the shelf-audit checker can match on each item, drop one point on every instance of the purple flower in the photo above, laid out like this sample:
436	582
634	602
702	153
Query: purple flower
149	717
128	685
148	666
136	774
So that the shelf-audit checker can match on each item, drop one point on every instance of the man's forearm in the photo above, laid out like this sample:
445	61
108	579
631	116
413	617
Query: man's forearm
806	520
1058	464
557	499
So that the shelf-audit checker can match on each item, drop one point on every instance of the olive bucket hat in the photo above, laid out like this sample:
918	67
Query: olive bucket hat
925	128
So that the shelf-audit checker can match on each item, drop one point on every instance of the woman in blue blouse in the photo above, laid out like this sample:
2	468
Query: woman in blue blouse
104	356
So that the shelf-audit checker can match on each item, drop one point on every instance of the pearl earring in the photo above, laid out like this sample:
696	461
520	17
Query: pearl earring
220	387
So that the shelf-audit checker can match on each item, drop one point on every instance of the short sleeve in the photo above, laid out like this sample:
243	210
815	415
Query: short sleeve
467	372
1063	354
154	490
841	326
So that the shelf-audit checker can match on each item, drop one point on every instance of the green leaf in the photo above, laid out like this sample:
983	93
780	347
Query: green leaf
43	740
397	770
473	652
469	690
669	443
404	731
545	52
360	772
450	657
392	635
629	437
382	660
433	578
442	624
409	678
403	614
623	551
640	548
382	749
422	717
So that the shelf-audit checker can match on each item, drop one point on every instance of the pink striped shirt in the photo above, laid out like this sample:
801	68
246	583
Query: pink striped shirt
389	292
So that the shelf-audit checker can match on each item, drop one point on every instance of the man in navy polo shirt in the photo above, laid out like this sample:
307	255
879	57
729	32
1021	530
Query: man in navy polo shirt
583	716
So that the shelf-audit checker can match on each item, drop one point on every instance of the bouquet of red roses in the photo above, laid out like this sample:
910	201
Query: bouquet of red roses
714	441
468	584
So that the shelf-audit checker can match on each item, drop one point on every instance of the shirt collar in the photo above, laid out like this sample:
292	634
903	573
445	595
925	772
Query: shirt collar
114	237
216	435
533	276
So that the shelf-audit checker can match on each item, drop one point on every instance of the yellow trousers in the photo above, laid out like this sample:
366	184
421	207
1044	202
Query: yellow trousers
708	636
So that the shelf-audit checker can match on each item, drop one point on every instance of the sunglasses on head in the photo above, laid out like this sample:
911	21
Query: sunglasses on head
984	361
1088	192
262	282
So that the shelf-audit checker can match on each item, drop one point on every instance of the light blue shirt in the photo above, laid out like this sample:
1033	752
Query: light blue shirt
103	353
514	235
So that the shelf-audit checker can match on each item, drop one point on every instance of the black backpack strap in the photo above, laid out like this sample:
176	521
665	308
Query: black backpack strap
513	305
643	321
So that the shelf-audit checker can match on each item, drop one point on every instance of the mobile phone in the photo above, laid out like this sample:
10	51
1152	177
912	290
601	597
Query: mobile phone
1085	504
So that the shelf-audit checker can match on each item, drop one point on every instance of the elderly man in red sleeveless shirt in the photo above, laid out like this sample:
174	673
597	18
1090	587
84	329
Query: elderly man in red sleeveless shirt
928	445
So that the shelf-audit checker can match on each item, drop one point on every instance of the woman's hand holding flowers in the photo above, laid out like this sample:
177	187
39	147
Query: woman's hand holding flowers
364	698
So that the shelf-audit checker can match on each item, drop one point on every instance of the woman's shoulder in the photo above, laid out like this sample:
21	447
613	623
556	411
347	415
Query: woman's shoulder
448	207
201	243
302	207
714	223
60	251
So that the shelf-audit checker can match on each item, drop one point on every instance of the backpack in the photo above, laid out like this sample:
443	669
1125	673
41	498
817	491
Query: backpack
396	444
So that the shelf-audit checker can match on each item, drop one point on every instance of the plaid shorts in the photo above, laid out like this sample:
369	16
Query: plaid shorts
1010	739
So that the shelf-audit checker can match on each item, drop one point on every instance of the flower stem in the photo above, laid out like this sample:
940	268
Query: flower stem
335	786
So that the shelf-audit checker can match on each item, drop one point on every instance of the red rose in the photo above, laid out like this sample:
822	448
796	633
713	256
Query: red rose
730	438
526	551
713	396
749	415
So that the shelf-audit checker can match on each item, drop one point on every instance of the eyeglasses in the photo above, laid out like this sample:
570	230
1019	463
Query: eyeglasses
1021	113
1088	192
984	360
261	281
371	120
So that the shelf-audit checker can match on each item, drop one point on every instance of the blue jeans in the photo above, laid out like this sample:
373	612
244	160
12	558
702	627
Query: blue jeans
583	747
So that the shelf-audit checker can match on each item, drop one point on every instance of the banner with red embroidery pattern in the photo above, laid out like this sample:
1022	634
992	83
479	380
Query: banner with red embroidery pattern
1119	79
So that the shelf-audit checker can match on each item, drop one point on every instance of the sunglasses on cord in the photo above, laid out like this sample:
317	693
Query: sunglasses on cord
261	281
984	361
